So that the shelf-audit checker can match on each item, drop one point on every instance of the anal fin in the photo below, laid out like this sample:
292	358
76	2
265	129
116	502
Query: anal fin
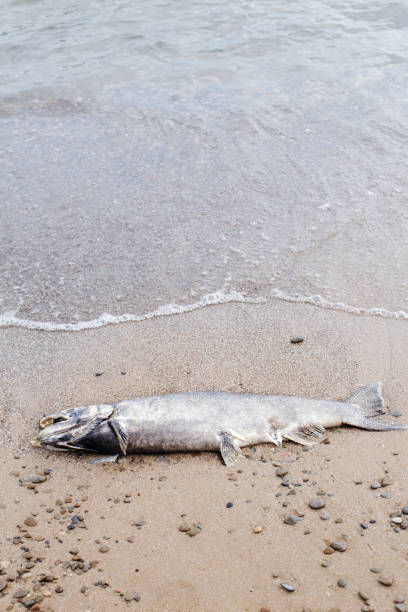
121	435
229	449
307	435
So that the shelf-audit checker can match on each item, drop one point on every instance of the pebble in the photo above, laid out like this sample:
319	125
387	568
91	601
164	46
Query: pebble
59	589
399	599
363	595
316	503
376	570
20	593
339	545
385	580
288	587
405	510
131	596
342	582
375	485
401	607
396	413
292	519
98	373
257	529
229	505
104	548
3	585
282	471
32	479
297	340
325	516
195	530
386	481
328	550
397	520
30	521
325	563
364	525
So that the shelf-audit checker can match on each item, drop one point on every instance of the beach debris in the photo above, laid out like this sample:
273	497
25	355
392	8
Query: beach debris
288	587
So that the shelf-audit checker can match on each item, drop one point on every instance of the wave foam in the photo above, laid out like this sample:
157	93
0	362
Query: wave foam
8	319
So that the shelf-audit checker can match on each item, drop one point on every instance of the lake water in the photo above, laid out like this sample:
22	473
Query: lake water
157	156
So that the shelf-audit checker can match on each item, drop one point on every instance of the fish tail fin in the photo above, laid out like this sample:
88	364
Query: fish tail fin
367	404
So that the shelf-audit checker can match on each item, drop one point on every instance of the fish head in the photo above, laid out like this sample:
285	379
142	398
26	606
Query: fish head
61	430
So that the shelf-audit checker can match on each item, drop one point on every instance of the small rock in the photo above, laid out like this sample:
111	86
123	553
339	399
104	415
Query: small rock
375	485
326	563
3	585
32	479
257	529
339	545
386	481
297	340
20	593
397	520
59	589
399	599
405	510
30	521
282	471
396	413
229	505
292	519
98	373
342	582
288	587
364	525
376	570
325	516
363	595
328	550
401	607
195	530
104	548
184	526
385	580
316	503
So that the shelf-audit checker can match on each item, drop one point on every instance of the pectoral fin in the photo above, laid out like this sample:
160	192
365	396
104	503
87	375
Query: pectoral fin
83	430
229	448
306	436
120	434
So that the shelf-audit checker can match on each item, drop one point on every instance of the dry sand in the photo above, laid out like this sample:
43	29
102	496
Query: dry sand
226	566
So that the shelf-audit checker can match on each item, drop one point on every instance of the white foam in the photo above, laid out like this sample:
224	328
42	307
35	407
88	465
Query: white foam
8	319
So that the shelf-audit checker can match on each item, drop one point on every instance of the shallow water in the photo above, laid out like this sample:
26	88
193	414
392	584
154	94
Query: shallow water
161	152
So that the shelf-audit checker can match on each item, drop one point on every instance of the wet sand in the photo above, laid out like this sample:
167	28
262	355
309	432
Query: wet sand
234	347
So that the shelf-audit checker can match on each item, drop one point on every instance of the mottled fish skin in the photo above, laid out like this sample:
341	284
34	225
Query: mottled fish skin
207	421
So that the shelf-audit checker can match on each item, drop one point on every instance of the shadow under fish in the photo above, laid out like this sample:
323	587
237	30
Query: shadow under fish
207	421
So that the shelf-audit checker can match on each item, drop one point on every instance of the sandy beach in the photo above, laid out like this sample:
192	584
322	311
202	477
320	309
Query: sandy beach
101	537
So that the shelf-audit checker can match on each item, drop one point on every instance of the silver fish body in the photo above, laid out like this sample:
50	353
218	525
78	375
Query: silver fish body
207	421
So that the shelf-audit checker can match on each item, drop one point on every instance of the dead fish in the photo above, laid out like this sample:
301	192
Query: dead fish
207	421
